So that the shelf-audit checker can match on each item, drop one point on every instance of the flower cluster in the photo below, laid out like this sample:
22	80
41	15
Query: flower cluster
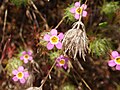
20	74
78	10
115	61
26	56
62	61
54	39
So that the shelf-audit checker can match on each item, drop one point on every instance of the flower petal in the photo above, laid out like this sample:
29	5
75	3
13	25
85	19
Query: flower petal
50	46
15	78
115	54
21	58
111	63
77	16
65	66
30	58
25	60
72	10
14	72
21	69
84	6
84	13
24	52
26	75
61	36
77	4
29	52
47	37
22	80
117	67
59	45
53	32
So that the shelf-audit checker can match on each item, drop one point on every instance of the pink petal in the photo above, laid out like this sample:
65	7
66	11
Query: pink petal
117	67
111	63
84	6
26	75
25	60
21	58
84	13
15	78
30	58
50	46
47	37
61	36
24	52
53	32
14	72
77	4
77	16
59	45
65	66
72	10
29	52
21	69
22	80
115	54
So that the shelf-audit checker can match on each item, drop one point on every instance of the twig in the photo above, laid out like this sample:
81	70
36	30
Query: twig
37	11
4	25
43	81
60	22
86	84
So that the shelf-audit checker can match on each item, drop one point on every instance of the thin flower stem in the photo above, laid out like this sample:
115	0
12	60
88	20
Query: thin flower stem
86	84
60	22
47	75
37	11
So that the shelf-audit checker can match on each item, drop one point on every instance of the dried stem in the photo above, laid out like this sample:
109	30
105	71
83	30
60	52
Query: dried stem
60	22
44	80
4	26
37	11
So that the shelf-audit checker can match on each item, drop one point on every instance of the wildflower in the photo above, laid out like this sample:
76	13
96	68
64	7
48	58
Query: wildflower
115	61
20	75
62	62
77	10
26	56
53	39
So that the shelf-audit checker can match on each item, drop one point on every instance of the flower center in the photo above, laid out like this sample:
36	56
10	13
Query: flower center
20	75
26	56
62	62
54	39
117	60
78	10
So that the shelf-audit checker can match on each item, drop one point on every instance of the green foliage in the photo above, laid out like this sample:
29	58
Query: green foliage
54	55
13	64
70	17
103	24
110	8
19	2
100	47
68	86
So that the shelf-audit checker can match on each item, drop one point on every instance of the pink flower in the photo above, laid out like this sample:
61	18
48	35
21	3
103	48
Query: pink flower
77	10
53	39
26	56
20	75
115	61
62	62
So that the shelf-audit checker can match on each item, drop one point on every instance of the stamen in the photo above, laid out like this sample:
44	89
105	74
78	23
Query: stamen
78	10
20	75
117	60
62	61
54	39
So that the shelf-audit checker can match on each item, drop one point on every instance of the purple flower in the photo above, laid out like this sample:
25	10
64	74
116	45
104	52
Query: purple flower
53	39
26	56
20	75
115	61
77	10
62	62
